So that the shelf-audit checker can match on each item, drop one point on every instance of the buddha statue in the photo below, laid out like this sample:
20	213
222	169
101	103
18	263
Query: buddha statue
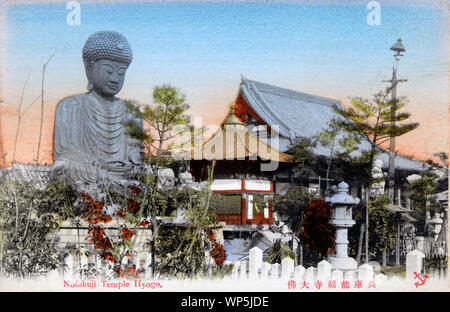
91	144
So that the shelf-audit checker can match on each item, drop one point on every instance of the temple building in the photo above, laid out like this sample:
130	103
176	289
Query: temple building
242	171
263	122
298	115
259	111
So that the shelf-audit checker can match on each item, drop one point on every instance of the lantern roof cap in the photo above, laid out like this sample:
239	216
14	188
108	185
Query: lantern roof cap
342	196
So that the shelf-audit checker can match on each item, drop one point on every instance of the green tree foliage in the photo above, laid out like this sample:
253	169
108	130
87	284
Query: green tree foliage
167	112
179	252
220	272
379	120
339	140
317	233
301	151
420	192
382	225
159	120
376	119
290	206
197	206
354	232
28	218
339	137
358	168
278	252
165	126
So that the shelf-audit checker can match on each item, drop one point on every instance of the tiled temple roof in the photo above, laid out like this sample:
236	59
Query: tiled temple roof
304	115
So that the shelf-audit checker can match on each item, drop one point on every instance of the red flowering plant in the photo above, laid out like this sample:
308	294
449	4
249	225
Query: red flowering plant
218	252
176	251
127	214
317	233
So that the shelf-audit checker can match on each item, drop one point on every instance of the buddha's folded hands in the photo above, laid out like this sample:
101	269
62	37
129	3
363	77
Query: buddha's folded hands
118	166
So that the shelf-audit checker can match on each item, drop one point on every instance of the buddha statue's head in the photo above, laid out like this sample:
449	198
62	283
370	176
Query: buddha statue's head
106	57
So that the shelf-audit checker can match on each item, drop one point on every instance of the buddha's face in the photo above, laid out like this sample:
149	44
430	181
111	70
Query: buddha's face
107	77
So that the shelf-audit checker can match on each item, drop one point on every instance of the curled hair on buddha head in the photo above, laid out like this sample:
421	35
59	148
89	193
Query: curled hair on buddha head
108	45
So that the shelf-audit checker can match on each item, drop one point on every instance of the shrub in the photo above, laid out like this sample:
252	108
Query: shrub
291	206
317	233
179	252
222	271
28	217
382	227
278	252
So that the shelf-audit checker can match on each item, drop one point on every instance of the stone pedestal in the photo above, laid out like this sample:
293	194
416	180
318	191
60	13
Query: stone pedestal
343	264
342	220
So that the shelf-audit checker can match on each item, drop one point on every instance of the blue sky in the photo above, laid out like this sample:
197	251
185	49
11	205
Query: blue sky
203	48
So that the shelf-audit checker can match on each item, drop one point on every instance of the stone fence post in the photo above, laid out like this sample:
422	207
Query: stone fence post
274	271
243	270
68	269
299	272
148	266
323	270
235	271
311	274
287	268
365	272
265	269
255	261
414	263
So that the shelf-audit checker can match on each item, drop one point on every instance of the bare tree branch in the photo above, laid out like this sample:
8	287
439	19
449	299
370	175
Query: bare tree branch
19	117
42	108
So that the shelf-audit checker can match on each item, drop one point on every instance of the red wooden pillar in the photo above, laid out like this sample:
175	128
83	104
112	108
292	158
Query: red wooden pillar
270	212
244	204
244	210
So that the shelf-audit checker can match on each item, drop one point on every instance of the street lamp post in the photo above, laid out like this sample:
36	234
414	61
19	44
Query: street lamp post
398	48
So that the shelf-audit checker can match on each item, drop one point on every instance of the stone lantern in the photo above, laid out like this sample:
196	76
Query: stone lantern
436	225
341	219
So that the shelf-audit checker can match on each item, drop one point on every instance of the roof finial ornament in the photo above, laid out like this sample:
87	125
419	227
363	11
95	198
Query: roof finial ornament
242	79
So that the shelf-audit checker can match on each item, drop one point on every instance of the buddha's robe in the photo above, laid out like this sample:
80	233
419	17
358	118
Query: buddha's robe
91	142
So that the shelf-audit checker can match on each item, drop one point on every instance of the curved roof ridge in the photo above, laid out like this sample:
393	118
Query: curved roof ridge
302	114
271	119
293	94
